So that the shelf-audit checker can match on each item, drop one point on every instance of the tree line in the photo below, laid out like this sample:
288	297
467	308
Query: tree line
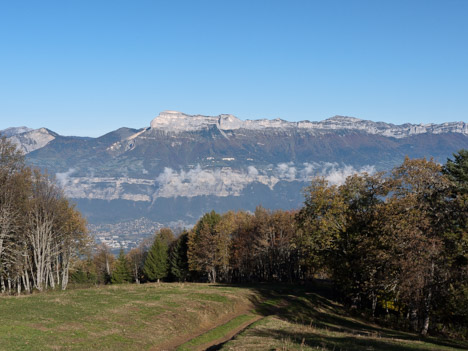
41	233
395	245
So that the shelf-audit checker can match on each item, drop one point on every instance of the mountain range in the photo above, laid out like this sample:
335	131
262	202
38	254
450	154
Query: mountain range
181	166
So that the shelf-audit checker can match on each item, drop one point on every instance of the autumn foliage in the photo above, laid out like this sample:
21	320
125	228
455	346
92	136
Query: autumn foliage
42	235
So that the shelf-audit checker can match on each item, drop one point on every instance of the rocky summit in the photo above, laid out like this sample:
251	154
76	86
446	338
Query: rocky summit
181	165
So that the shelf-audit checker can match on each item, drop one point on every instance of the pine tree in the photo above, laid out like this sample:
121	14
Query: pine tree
121	273
156	264
178	260
457	171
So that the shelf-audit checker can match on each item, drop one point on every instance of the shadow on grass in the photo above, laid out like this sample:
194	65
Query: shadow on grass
329	323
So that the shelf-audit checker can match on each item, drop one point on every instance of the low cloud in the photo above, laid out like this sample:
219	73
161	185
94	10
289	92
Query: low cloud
202	182
226	181
334	173
285	171
198	181
338	175
253	172
64	178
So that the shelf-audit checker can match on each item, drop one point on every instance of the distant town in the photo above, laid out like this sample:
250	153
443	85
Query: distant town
129	234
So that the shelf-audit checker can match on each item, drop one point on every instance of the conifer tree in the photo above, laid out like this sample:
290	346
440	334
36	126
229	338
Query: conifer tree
178	260
121	273
457	170
156	264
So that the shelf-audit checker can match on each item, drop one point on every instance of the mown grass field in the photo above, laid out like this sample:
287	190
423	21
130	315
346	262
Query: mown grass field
306	320
194	317
120	317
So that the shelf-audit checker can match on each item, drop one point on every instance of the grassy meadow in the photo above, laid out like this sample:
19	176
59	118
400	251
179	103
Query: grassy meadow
118	317
307	320
194	317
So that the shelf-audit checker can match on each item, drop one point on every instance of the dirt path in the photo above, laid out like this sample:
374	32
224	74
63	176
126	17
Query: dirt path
216	344
213	345
173	344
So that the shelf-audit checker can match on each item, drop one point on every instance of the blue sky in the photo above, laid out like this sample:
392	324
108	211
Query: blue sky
89	67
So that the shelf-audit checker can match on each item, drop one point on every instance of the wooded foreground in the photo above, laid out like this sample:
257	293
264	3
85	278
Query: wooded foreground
395	246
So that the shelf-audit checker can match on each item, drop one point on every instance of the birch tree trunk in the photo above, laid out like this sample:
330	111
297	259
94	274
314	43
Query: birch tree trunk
65	267
39	236
427	302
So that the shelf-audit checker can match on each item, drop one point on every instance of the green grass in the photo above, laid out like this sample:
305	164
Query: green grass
305	320
123	317
210	297
148	316
216	333
273	333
